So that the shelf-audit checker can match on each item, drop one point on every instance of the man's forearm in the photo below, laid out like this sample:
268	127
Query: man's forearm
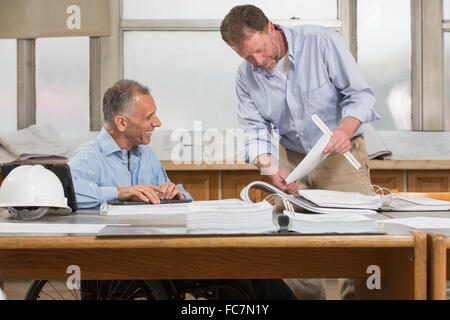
349	125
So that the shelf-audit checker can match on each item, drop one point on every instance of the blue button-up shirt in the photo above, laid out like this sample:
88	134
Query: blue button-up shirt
99	167
323	79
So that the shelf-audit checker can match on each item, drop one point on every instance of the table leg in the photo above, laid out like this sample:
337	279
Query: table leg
437	261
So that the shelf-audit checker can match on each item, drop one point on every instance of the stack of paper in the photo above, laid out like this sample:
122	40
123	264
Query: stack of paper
44	228
399	203
301	202
421	223
338	199
330	223
231	218
107	209
390	202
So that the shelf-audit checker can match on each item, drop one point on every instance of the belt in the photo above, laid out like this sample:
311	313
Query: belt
356	137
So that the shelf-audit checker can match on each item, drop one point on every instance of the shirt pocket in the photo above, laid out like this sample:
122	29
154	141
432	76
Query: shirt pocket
323	101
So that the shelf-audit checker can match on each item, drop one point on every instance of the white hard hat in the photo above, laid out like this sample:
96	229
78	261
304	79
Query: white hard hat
29	191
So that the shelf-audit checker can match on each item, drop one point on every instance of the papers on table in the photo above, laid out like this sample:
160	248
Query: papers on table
107	209
300	203
390	202
396	202
207	217
50	228
338	199
331	223
311	161
231	218
425	224
421	222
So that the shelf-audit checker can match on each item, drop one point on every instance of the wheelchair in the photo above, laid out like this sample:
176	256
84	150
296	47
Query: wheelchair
141	290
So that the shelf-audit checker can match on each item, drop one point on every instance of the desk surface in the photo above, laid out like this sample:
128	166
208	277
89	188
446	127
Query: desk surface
433	214
401	258
140	225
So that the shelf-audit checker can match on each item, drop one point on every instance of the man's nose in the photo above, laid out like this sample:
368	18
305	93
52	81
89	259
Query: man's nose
156	122
259	59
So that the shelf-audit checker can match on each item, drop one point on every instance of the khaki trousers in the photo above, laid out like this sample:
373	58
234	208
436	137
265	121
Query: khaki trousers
334	173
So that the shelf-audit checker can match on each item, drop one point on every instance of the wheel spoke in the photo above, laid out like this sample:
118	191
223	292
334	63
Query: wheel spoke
96	289
54	289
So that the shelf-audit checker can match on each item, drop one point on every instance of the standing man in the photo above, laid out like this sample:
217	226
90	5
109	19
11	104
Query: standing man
288	75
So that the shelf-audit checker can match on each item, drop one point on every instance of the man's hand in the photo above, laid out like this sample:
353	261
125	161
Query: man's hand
169	190
151	193
269	166
146	193
340	141
279	181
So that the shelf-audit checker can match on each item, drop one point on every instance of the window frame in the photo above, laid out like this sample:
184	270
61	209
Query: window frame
445	29
106	67
345	24
427	110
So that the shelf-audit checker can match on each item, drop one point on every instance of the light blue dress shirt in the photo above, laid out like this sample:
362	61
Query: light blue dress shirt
99	167
323	79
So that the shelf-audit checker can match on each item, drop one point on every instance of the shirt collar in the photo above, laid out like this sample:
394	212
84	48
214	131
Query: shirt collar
288	35
109	146
107	143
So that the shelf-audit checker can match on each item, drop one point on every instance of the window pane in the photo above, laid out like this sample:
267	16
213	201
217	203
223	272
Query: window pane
62	82
207	9
191	75
446	9
8	84
385	61
447	79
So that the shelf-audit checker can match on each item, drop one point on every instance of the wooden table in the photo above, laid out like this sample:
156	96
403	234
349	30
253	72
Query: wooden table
438	253
401	258
438	258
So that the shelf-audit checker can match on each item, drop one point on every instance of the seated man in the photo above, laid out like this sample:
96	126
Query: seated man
119	165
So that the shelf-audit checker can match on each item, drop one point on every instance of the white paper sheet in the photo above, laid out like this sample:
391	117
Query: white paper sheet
297	201
421	222
169	208
311	161
44	228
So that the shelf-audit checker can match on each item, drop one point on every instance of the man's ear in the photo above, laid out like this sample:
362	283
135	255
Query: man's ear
270	27
121	122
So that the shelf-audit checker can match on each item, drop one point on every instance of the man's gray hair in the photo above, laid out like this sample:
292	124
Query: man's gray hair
119	98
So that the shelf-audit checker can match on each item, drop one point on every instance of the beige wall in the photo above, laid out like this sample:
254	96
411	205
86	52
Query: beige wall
24	19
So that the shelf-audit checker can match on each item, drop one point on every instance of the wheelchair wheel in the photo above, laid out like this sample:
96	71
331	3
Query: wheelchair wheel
231	289
97	290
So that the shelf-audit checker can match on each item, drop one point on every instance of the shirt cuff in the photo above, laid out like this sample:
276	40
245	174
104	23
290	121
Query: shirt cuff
258	148
109	194
186	194
361	114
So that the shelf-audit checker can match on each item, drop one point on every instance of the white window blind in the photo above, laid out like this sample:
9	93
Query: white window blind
8	84
62	82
